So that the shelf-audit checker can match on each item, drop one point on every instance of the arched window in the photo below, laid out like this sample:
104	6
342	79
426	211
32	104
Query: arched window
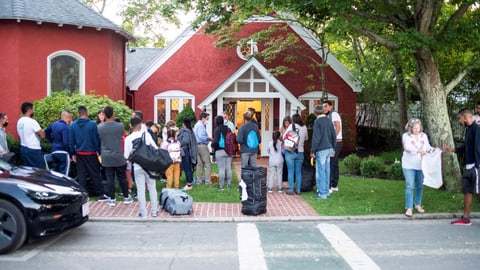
66	72
170	103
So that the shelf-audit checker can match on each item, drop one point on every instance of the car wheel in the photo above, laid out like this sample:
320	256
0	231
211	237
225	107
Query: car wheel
13	230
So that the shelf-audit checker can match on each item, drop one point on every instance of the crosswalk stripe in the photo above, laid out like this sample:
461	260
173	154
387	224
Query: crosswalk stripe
250	251
346	247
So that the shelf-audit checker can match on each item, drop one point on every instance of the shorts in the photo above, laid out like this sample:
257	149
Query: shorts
470	181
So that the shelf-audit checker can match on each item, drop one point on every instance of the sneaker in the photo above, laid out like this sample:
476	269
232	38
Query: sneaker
270	190
154	214
111	202
333	189
280	190
290	192
298	192
103	198
128	200
330	191
163	180
140	215
320	197
187	187
462	221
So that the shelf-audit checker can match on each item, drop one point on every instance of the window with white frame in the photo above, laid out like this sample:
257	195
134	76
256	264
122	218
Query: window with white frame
312	99
170	103
66	72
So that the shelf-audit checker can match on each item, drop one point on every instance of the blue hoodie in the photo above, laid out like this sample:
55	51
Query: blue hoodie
83	136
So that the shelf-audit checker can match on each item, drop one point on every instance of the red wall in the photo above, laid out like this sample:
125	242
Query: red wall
199	68
25	50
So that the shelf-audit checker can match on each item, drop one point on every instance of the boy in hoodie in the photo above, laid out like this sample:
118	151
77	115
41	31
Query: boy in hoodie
84	146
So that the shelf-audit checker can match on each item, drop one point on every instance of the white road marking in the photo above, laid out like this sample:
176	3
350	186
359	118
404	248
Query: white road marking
24	255
250	251
353	255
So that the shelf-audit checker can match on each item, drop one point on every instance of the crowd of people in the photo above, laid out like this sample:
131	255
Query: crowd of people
101	149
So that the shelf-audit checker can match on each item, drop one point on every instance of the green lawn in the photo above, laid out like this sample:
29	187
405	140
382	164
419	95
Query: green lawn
357	196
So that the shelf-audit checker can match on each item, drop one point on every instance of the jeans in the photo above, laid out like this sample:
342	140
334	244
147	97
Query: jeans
59	163
294	164
120	173
278	170
322	172
203	161
413	180
141	180
187	166
334	172
248	159
89	165
224	163
32	157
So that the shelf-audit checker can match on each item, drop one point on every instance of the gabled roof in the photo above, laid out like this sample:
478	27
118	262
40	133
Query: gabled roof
252	62
69	12
138	59
304	34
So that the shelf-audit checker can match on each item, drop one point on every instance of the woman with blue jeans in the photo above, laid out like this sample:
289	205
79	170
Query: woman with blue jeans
294	158
415	146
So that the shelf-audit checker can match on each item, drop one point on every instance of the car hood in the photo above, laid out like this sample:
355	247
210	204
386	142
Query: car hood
43	177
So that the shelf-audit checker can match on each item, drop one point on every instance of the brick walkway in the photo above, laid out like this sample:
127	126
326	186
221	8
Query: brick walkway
278	205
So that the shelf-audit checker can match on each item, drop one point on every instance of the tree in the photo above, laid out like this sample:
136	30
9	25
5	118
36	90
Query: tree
419	30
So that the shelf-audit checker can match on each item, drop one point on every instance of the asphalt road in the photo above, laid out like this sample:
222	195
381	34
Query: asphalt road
394	244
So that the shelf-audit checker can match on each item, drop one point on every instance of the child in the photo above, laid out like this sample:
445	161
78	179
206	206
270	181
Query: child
174	149
275	161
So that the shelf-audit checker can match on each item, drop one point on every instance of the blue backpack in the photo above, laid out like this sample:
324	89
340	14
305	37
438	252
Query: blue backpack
221	142
252	140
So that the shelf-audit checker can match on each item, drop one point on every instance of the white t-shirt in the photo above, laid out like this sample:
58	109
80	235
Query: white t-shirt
128	146
26	129
476	118
336	117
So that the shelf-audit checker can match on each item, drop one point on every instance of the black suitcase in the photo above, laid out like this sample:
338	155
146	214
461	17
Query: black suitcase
308	176
255	180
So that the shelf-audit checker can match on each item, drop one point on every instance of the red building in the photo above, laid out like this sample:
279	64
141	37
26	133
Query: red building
52	45
191	70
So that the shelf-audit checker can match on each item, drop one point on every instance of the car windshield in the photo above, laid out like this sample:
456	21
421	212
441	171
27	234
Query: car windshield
4	166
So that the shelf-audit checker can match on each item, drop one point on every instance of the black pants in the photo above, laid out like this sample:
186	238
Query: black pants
88	165
120	173
334	172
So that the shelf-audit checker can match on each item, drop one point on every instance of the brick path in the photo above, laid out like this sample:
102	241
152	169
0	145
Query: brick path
278	205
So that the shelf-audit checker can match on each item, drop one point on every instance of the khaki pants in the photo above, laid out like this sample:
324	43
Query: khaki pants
173	174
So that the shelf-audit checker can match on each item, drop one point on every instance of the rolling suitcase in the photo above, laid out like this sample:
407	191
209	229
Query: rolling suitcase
255	180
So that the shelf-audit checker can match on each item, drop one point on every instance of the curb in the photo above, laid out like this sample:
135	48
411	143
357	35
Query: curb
424	216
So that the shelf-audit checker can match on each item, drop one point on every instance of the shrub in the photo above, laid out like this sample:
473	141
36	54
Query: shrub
352	164
186	112
391	157
372	167
48	109
395	172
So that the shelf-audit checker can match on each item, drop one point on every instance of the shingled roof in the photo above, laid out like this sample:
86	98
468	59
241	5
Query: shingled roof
68	12
138	59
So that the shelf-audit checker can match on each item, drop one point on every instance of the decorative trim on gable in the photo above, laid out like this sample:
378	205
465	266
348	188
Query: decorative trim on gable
252	62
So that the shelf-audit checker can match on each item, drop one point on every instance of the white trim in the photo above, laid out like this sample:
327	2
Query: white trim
270	79
169	51
81	69
303	33
316	95
168	96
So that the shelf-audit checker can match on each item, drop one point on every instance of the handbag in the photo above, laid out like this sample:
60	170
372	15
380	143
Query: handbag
154	161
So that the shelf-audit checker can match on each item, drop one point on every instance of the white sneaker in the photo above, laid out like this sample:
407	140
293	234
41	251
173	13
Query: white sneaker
111	202
187	187
334	189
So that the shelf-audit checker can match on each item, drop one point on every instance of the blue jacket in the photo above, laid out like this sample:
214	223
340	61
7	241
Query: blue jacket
471	149
57	134
83	136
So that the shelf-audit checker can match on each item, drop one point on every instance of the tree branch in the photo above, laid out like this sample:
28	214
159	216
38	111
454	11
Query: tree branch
455	81
390	19
458	14
377	38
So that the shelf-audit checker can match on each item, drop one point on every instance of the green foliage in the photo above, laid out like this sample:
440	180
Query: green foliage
395	171
48	109
391	157
310	119
352	164
372	167
186	112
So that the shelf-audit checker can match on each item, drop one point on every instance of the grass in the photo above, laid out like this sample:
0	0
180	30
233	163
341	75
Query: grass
357	196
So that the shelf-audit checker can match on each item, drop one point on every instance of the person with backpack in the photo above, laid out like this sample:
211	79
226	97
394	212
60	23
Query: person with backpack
293	141
174	148
249	138
224	160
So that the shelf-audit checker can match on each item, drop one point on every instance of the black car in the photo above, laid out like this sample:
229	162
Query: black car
35	203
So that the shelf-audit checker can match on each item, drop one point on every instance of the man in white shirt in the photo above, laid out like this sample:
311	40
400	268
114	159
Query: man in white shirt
30	134
337	123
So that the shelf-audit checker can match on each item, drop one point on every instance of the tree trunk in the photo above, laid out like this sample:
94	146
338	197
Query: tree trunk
437	123
401	93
